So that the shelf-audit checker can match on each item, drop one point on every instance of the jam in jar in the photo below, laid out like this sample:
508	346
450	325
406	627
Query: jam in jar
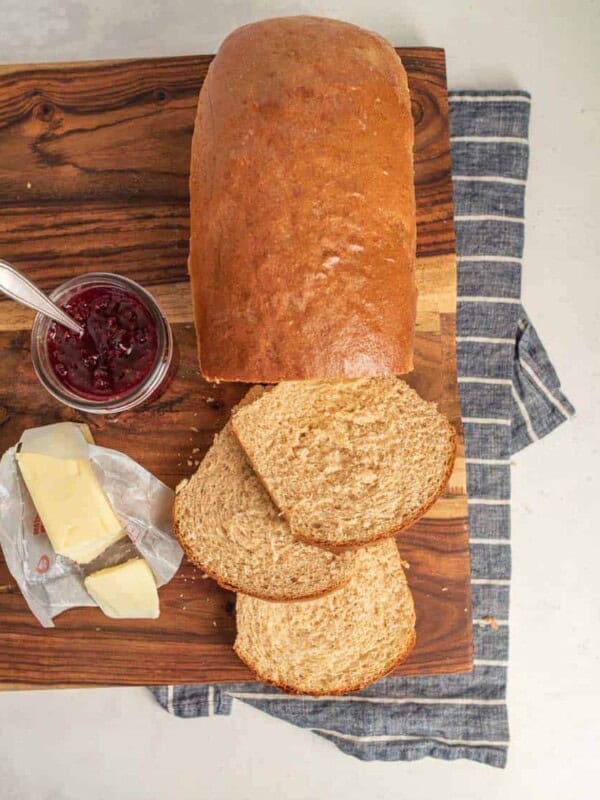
117	350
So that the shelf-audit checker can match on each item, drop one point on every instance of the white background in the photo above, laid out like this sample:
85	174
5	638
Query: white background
104	744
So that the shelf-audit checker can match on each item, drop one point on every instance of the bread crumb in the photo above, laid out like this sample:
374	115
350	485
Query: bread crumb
215	623
194	429
183	608
444	588
181	485
204	577
29	184
210	399
196	450
492	622
405	564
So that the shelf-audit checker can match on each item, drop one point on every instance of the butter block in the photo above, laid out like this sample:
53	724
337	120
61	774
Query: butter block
61	440
67	495
126	591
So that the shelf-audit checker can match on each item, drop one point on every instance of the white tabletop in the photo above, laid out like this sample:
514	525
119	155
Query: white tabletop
118	743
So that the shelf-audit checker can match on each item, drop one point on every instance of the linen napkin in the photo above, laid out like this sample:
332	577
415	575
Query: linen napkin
510	397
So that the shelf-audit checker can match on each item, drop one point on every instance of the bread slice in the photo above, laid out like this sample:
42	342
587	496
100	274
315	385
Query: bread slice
334	644
229	527
348	462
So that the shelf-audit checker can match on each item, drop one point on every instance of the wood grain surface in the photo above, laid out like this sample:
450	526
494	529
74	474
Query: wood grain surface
94	176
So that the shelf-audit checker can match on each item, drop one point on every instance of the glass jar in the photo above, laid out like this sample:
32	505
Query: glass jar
150	386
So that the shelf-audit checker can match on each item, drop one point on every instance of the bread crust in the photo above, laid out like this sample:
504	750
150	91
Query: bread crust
303	231
346	689
191	556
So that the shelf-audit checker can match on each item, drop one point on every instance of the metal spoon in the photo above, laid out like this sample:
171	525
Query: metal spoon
14	284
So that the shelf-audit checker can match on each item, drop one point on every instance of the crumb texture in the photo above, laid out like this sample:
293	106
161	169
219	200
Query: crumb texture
337	643
348	462
228	526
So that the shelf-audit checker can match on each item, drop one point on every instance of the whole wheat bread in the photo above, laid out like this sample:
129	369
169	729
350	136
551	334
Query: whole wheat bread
302	206
348	462
334	644
229	527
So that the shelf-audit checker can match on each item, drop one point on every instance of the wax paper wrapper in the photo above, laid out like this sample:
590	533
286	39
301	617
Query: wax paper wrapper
51	583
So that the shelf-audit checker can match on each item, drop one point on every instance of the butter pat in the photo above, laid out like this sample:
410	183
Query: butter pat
127	591
66	493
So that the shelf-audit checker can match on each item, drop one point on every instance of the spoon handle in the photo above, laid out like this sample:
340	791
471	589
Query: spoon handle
14	284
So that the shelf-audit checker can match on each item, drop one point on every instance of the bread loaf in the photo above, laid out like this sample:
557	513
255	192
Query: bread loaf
302	242
334	644
229	527
348	462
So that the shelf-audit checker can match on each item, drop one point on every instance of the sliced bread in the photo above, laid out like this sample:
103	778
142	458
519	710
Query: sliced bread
229	527
334	644
348	462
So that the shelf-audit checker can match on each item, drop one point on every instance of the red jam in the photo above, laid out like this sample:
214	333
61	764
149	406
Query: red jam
117	350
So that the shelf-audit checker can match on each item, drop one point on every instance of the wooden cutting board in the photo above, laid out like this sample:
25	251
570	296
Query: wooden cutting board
94	176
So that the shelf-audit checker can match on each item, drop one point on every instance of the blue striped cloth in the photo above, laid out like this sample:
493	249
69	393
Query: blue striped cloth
510	396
